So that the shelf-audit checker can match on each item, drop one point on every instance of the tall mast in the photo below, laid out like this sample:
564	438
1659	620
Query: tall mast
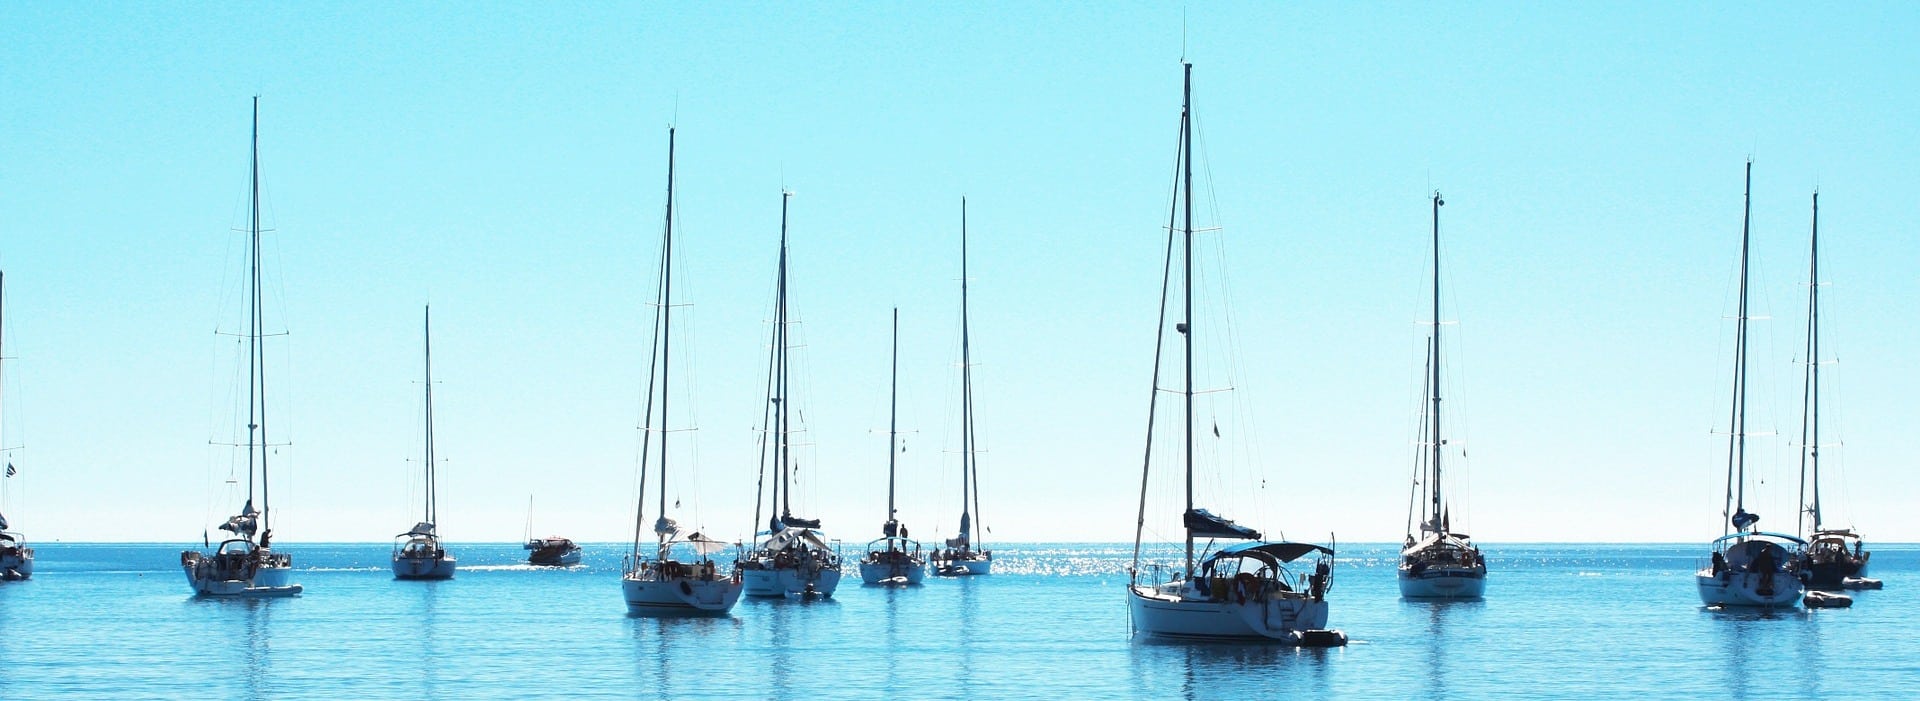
1810	417
256	353
653	380
893	418
966	393
427	326
1186	148
1439	524
783	452
1737	440
666	332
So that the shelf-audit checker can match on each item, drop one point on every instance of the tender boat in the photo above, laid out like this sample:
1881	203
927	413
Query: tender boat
242	565
1832	555
1243	591
893	558
417	553
16	557
964	554
552	551
794	558
1748	567
675	575
1437	562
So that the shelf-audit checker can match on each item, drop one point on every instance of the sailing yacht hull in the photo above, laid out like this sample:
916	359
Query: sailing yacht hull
267	581
1748	589
1160	613
785	581
15	567
1444	583
962	568
423	568
680	597
892	573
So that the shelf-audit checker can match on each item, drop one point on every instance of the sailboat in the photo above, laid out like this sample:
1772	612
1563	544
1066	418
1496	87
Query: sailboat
1748	567
1241	591
655	581
245	564
962	555
16	557
893	558
1832	555
1438	563
417	553
794	557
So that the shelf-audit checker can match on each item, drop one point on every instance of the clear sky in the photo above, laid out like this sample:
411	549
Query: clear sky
507	164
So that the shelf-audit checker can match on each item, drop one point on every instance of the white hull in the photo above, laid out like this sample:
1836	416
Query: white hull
907	572
962	568
782	582
423	567
14	568
1444	583
1160	612
267	580
680	597
1748	589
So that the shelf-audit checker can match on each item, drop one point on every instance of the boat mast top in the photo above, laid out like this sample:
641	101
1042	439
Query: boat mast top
1439	525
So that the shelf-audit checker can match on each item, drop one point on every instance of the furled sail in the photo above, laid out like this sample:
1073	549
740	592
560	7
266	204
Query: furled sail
1203	524
421	528
246	523
797	522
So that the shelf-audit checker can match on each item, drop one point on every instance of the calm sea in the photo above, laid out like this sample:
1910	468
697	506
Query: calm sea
1560	621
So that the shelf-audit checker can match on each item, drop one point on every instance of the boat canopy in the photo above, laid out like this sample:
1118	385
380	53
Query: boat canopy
793	537
1282	552
1203	524
552	541
700	542
423	528
1759	534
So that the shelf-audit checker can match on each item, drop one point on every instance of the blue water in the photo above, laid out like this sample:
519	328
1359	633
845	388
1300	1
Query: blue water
1561	621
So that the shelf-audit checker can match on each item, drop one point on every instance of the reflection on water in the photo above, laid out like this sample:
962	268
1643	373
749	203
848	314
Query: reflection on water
425	598
1445	621
245	626
1737	627
1233	669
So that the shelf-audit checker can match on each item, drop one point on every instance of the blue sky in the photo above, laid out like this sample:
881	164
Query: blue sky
506	163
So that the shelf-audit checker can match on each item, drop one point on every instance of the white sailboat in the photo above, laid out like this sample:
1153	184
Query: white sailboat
1833	555
964	555
656	582
1437	562
1242	591
1748	567
794	557
245	564
417	553
893	558
16	557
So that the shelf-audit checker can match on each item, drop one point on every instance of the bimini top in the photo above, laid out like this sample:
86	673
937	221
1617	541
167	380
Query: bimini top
1279	552
1760	534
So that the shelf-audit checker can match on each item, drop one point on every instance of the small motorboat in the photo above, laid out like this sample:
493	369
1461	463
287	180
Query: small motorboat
1857	583
552	551
1817	599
